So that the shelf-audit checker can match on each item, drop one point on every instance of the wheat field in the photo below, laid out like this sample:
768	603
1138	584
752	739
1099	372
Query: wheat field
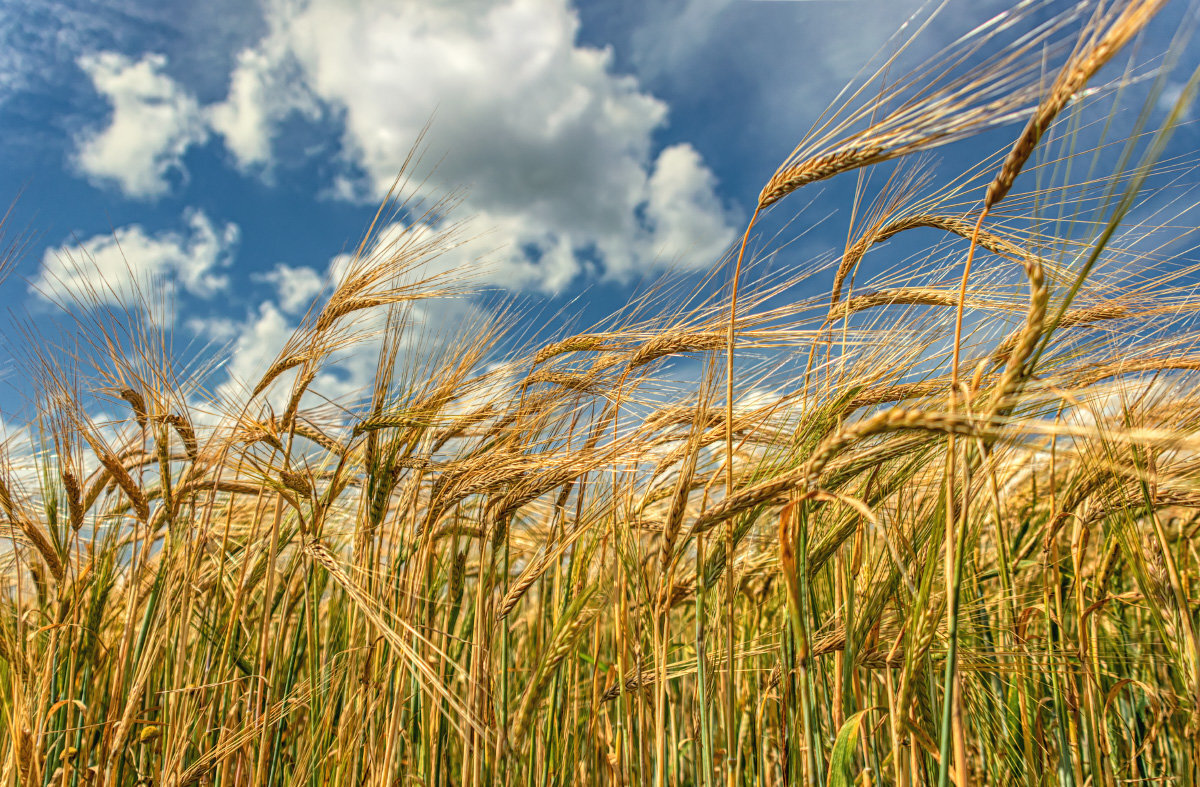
933	522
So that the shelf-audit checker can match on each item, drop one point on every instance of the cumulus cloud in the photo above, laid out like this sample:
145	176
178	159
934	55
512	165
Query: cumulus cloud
685	216
153	123
264	88
219	330
295	286
242	118
116	267
259	341
555	148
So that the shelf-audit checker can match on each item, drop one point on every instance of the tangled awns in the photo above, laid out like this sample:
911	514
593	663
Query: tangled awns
875	521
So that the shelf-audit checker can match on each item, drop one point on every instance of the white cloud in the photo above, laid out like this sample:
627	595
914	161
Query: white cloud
264	88
153	123
258	342
555	148
242	118
684	214
220	330
117	267
296	287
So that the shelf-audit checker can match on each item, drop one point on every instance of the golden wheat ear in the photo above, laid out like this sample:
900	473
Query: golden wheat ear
1106	35
940	103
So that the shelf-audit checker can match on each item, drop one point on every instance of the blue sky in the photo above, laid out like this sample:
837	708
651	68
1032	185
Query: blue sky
234	149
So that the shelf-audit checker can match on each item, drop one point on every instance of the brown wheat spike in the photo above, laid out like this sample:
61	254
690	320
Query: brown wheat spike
560	647
1014	371
711	437
893	393
262	433
683	487
137	403
405	420
930	108
1073	318
416	463
1097	373
345	302
1156	567
381	499
745	499
788	179
310	432
583	383
17	516
905	296
1090	314
539	479
341	307
835	642
24	746
669	344
896	419
1070	503
186	433
1108	564
95	487
223	485
297	482
74	498
1135	501
538	401
1079	69
633	683
457	529
530	575
274	370
585	342
120	476
299	388
1132	500
993	242
656	494
680	415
